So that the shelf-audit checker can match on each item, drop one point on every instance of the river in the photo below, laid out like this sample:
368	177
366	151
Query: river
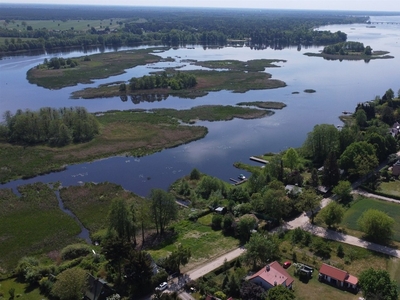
339	86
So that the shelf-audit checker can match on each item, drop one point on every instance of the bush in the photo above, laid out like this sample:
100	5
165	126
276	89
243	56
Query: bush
75	251
340	251
195	174
216	222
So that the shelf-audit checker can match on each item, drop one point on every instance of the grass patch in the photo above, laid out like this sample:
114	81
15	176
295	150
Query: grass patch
213	113
390	188
264	104
204	242
91	202
22	290
32	224
207	81
255	65
362	204
101	65
137	133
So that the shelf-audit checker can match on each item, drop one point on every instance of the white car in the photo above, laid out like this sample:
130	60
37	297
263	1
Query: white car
162	286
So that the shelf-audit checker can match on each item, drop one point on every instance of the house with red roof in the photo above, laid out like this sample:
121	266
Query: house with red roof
337	277
272	275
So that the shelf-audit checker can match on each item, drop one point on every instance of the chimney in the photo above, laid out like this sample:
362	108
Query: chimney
268	268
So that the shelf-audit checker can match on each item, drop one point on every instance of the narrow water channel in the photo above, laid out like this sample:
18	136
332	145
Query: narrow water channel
84	234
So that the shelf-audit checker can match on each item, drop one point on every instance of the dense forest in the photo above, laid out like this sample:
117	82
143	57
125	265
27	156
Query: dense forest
56	127
169	26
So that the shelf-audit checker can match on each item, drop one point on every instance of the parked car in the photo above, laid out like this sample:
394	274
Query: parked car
286	264
162	286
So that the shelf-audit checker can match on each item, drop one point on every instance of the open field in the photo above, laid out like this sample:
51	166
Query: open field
204	242
32	224
362	204
100	65
91	202
77	25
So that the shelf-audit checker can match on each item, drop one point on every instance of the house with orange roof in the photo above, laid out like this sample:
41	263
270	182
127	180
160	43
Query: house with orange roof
272	275
337	277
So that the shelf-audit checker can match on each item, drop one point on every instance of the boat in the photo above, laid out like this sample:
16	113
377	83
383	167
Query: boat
242	177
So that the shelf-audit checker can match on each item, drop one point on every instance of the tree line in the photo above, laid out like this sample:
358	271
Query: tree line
187	26
176	81
344	48
56	127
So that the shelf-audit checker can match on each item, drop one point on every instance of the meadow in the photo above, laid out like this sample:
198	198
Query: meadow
77	25
32	224
360	205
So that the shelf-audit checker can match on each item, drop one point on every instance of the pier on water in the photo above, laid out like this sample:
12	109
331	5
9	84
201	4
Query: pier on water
237	182
260	160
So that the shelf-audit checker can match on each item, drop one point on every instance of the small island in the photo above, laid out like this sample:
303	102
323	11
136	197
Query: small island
264	104
350	51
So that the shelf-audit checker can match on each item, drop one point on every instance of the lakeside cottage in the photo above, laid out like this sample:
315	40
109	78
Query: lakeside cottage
337	277
272	275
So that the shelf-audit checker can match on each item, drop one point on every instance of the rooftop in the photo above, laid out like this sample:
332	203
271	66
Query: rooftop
274	274
333	272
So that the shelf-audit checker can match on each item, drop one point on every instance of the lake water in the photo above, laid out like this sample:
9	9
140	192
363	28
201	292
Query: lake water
339	86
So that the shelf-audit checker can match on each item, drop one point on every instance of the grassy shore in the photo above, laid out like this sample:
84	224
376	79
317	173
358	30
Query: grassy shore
101	65
137	133
255	65
32	225
207	81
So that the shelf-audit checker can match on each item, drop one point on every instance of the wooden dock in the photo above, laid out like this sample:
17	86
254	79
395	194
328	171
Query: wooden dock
260	160
237	182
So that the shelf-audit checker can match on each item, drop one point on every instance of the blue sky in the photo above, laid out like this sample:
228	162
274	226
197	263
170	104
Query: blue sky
364	5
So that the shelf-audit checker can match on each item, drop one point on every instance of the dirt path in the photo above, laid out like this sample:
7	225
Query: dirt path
348	239
219	261
370	195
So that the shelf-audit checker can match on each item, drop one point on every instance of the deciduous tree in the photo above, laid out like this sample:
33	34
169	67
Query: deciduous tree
163	209
309	201
291	158
332	214
322	140
70	284
377	225
343	190
261	249
280	292
376	284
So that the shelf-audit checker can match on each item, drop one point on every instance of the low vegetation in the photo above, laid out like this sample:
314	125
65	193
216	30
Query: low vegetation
207	81
98	66
264	104
32	224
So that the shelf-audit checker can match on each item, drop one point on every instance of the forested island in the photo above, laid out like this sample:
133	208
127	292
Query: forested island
350	51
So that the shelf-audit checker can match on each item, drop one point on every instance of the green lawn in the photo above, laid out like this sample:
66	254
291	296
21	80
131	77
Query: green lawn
204	242
22	290
355	211
390	188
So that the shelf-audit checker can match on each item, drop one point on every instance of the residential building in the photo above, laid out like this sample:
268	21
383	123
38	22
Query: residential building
272	275
337	277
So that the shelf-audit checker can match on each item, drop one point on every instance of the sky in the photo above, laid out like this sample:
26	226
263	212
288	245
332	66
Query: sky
362	5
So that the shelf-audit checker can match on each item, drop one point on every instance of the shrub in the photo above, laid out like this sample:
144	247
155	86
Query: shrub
216	222
195	174
340	251
74	251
